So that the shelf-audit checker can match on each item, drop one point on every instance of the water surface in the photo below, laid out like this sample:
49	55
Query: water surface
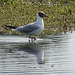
51	55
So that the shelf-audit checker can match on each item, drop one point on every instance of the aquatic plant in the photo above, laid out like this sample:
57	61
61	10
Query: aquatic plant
16	13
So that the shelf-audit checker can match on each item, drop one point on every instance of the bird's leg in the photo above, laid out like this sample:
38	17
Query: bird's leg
32	38
29	39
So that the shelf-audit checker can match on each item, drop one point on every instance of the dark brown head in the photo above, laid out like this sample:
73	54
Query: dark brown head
42	14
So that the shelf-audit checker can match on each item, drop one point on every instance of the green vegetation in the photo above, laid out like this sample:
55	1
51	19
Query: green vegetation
19	12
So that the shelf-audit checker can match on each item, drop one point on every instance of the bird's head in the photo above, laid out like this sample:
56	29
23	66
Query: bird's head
42	14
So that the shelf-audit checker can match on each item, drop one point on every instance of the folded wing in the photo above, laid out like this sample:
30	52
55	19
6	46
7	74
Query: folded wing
27	29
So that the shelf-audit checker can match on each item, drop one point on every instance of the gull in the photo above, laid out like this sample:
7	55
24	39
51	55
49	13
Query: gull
31	29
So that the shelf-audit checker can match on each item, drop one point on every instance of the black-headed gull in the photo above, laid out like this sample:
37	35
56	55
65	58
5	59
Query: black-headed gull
31	29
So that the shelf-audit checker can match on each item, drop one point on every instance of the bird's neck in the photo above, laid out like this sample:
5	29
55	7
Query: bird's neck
39	20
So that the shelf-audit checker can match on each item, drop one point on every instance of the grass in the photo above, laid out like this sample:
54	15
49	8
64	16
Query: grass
16	13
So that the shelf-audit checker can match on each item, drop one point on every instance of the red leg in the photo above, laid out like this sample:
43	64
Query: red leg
32	38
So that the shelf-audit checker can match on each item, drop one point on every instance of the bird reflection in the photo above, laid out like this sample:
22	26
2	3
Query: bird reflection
35	49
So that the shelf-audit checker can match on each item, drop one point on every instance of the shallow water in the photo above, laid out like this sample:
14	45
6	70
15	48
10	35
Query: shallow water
51	55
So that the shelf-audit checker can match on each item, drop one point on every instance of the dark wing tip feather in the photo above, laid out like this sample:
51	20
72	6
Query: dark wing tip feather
11	27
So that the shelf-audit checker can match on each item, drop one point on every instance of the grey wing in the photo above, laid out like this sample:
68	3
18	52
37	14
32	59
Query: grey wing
28	28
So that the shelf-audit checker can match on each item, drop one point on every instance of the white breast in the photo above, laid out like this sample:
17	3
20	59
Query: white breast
39	22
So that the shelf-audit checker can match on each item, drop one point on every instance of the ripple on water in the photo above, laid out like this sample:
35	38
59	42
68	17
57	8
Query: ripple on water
53	55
